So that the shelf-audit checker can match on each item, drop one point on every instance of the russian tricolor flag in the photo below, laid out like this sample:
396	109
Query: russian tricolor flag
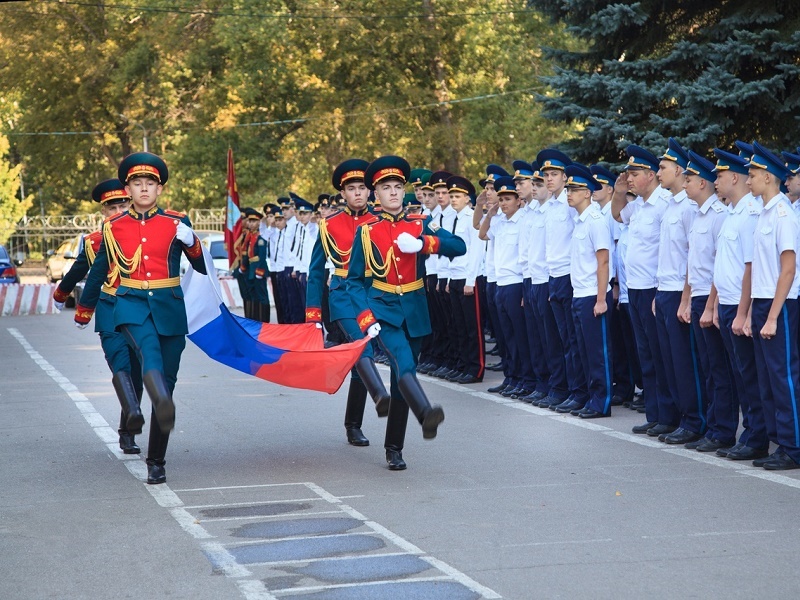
290	355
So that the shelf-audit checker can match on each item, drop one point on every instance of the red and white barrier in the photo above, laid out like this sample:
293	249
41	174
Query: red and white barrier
231	295
27	299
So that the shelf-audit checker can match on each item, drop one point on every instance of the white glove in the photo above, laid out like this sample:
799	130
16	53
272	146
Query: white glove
408	243
59	305
81	325
259	277
318	325
184	234
373	330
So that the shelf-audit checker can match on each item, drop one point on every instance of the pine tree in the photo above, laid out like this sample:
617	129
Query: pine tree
705	72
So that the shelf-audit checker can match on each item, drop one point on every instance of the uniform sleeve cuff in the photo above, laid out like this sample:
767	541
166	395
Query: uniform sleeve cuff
83	314
365	319
259	272
430	244
195	249
313	315
60	295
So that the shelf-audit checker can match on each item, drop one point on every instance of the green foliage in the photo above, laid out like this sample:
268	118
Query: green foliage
292	95
12	208
706	72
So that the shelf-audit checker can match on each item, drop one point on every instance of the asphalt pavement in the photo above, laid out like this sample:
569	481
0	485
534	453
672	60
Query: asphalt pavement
265	499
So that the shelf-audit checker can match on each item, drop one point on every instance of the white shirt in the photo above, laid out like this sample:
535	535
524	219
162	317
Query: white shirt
644	224
735	249
591	233
468	265
776	232
446	220
619	256
277	247
291	233
432	262
308	236
533	252
491	272
703	244
558	234
613	229
673	248
505	232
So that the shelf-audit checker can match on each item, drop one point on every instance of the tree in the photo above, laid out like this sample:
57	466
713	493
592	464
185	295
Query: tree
12	207
706	72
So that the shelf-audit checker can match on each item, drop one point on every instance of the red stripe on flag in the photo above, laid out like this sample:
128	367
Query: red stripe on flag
231	235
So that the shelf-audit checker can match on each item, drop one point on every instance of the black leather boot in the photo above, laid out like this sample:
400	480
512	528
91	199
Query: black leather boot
374	384
156	385
156	451
129	401
429	416
395	460
354	413
127	443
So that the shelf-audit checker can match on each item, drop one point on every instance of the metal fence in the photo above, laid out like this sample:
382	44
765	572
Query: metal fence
34	236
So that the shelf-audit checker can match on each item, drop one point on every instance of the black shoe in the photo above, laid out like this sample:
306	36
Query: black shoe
395	460
490	340
567	405
521	393
781	463
588	413
663	436
498	389
454	376
440	372
723	452
128	444
495	367
512	392
533	397
356	438
746	453
695	444
658	429
637	405
760	462
431	421
493	352
681	436
429	368
156	474
549	401
469	379
644	428
712	445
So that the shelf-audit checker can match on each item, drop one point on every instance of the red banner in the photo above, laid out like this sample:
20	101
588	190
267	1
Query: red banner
233	224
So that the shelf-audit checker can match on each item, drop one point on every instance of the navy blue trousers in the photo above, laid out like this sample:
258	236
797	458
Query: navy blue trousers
535	339
594	347
448	340
554	350
467	328
722	412
778	366
658	402
561	302
682	367
494	317
518	370
624	381
741	356
629	340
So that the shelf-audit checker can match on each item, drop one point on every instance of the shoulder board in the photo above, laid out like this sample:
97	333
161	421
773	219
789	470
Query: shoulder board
174	213
781	209
416	217
596	214
114	217
754	208
334	215
370	218
718	207
95	235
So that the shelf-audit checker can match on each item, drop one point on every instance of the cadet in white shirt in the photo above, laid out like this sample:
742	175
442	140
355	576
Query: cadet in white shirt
643	217
435	347
305	245
273	229
559	223
462	287
506	231
774	312
722	411
673	304
732	272
590	273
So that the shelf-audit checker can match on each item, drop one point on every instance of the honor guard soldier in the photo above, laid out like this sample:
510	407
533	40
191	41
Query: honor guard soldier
143	248
732	273
385	284
237	268
419	178
125	368
643	217
590	273
257	269
721	408
774	312
673	303
334	245
411	204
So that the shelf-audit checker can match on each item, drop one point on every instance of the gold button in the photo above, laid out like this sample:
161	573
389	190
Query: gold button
146	257
399	276
148	274
144	239
146	286
399	289
396	259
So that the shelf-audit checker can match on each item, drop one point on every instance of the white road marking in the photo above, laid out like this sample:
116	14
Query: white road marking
253	589
333	586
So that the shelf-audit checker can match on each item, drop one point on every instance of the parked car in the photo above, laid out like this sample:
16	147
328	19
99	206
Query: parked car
214	241
8	272
61	261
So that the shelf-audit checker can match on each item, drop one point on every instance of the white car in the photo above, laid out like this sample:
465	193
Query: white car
214	242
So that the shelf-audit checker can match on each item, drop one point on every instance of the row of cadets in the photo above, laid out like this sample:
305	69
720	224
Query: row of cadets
337	231
485	202
559	224
503	226
274	228
642	213
306	236
125	368
462	286
533	192
385	284
142	247
254	268
682	420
